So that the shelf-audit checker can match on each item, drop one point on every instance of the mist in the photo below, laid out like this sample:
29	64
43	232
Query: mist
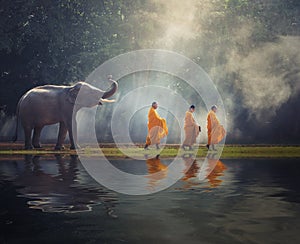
259	82
268	76
160	87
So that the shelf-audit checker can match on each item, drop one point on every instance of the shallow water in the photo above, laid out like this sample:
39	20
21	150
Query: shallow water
54	200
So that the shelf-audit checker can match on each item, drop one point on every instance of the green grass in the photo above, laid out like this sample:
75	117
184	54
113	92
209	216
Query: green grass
261	152
230	151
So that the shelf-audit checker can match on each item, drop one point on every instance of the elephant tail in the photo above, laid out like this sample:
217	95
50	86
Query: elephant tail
15	137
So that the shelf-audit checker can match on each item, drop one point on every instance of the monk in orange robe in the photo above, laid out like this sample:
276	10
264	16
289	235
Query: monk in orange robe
215	131
157	127
191	128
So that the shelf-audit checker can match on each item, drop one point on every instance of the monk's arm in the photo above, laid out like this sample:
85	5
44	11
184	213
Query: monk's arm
157	116
215	121
191	120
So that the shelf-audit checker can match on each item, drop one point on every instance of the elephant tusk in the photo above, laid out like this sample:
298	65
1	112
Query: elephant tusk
107	100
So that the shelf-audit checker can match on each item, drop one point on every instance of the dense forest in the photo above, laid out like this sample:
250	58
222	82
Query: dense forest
250	49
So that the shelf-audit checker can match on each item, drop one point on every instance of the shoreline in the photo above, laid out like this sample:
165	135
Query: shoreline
8	150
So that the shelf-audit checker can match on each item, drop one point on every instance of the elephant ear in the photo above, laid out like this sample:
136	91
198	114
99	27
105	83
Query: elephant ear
73	92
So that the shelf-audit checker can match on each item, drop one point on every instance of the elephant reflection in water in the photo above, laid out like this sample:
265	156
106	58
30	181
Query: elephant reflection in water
211	169
157	171
56	188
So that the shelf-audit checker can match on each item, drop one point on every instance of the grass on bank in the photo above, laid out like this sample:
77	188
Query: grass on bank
229	151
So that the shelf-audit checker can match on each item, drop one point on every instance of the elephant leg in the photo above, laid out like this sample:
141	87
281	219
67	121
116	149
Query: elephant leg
36	137
27	134
61	136
73	135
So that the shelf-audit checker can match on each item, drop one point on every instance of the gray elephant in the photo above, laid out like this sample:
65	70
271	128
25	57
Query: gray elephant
50	104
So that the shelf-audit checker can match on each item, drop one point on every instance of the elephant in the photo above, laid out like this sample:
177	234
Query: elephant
52	104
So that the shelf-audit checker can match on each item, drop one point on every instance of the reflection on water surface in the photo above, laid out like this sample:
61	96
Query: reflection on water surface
56	185
54	200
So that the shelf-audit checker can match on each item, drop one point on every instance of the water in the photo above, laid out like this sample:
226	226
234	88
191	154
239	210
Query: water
54	200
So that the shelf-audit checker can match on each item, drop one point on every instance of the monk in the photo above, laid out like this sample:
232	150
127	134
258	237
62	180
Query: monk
157	127
215	131
191	128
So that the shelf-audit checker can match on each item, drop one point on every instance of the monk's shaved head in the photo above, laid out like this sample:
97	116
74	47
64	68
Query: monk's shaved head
214	108
154	105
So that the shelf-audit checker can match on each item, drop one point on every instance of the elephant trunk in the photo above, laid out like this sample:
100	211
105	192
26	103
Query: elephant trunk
112	90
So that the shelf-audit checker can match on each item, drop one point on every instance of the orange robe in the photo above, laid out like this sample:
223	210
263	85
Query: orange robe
191	129
157	128
215	131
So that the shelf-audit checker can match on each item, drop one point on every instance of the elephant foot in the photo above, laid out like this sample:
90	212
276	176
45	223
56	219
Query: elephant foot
37	146
57	147
28	147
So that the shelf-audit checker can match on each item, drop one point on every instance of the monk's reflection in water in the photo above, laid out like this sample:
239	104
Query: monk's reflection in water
218	170
191	170
63	186
196	172
211	169
157	171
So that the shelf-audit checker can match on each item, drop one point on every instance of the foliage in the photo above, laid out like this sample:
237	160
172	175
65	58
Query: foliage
55	42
